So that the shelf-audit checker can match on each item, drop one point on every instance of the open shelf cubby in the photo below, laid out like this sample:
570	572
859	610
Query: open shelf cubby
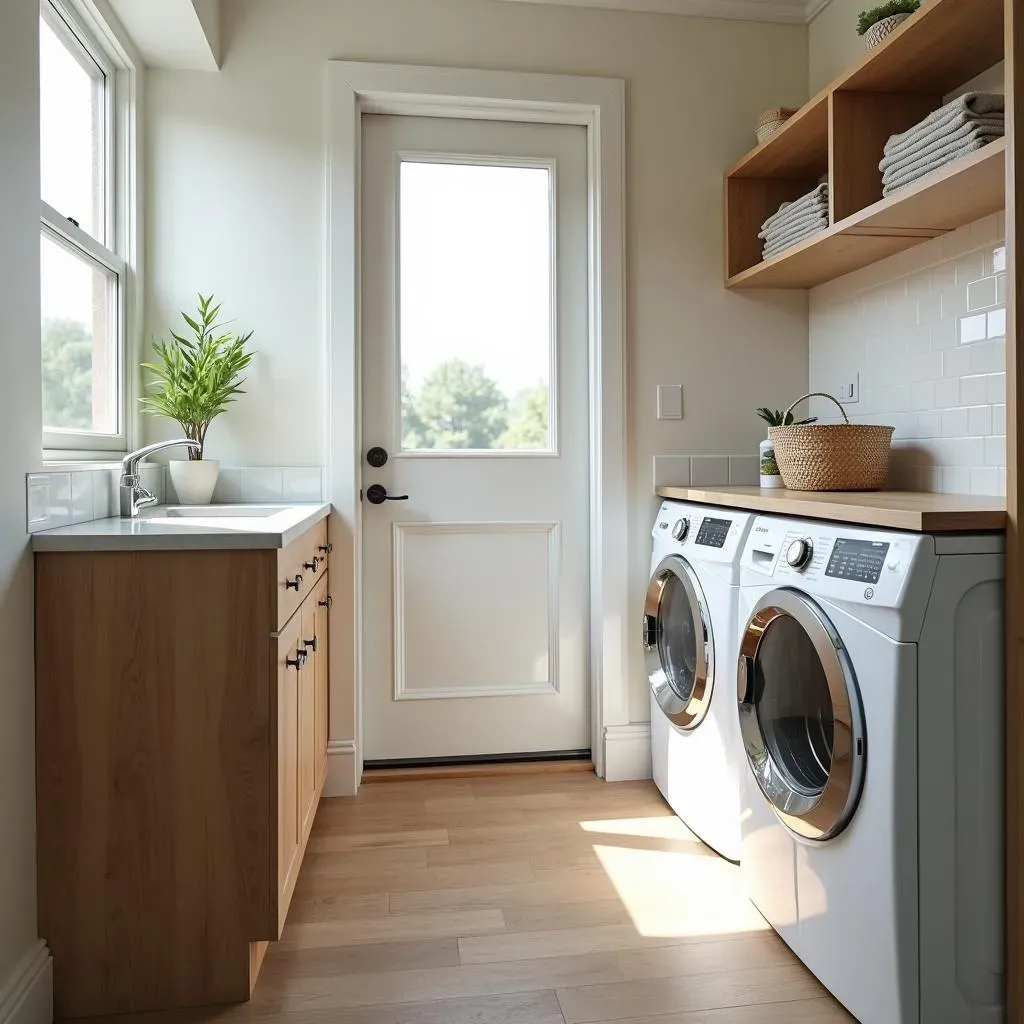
841	131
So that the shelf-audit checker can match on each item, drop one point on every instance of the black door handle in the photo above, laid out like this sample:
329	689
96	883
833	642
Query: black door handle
377	494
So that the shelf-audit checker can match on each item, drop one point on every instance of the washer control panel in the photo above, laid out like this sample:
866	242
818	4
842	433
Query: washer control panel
845	562
710	534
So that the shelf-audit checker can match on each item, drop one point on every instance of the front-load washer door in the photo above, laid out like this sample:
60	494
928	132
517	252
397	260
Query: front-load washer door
800	715
678	645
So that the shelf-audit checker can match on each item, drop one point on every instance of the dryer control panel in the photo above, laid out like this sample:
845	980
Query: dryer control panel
708	534
846	563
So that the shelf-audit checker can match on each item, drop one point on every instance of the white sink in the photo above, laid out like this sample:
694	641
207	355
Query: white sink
218	511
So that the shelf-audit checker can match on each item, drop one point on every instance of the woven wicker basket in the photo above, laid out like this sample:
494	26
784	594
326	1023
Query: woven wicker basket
770	121
881	29
832	457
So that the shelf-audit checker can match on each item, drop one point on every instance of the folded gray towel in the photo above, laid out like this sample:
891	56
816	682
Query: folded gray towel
783	229
941	137
776	245
969	106
814	199
909	177
937	155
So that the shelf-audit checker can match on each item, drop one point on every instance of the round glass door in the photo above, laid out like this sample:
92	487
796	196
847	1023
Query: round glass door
678	646
800	715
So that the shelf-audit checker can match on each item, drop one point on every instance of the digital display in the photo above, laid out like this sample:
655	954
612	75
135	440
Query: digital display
859	560
712	532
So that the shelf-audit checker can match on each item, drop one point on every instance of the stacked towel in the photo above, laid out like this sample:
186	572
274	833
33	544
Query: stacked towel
795	221
960	127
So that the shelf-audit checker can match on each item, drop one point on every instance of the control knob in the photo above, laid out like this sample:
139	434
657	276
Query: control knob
799	554
681	528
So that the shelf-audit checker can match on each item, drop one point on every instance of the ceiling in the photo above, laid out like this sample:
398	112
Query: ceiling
789	11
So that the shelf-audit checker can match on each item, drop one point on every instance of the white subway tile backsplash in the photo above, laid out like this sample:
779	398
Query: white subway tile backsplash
37	490
671	470
744	470
939	378
58	499
709	470
263	483
82	505
302	483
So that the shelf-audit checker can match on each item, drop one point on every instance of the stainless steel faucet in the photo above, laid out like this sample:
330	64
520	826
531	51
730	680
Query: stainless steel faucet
133	495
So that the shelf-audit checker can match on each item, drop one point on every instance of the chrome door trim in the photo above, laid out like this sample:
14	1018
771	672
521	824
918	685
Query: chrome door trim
685	714
821	815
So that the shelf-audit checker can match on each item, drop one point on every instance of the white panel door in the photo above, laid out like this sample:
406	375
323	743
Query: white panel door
475	383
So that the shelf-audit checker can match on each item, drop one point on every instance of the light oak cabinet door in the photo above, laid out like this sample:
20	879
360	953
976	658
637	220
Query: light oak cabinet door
291	678
321	715
307	715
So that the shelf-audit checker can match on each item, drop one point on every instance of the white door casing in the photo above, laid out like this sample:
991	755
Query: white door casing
353	89
474	253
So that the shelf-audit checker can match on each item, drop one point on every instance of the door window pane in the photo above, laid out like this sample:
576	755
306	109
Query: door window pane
677	642
475	307
71	129
79	341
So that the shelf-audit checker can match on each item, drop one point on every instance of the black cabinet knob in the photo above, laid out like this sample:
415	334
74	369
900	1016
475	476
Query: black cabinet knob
299	660
326	603
325	548
311	644
293	584
313	565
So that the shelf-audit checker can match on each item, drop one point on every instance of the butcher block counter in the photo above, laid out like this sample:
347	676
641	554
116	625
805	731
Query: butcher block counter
893	510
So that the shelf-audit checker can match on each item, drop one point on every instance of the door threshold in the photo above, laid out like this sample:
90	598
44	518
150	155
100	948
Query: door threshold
557	762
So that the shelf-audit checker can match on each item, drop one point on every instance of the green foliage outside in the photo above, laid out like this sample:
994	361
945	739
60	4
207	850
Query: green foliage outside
868	18
459	407
67	375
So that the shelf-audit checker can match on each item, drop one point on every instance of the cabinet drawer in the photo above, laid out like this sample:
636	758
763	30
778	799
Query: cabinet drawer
299	567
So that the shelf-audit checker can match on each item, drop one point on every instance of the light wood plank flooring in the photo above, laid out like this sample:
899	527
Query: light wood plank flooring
524	899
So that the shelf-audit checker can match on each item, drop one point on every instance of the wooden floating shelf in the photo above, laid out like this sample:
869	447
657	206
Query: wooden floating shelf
894	510
842	131
957	194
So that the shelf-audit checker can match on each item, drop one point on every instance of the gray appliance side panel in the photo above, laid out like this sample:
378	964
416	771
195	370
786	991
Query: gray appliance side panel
960	786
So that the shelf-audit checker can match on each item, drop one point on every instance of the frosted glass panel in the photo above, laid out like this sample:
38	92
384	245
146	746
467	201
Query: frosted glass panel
475	306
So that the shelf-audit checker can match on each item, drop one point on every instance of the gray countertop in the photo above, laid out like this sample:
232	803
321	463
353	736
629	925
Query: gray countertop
188	528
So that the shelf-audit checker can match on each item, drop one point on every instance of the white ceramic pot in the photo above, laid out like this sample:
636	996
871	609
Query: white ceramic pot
770	475
881	29
194	480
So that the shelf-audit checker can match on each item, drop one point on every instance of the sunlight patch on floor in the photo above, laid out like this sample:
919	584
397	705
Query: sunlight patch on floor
663	827
679	893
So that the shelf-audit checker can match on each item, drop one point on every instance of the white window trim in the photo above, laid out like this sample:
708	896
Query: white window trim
96	25
599	104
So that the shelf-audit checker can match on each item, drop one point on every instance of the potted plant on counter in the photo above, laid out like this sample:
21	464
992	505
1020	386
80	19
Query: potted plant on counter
193	381
770	475
876	24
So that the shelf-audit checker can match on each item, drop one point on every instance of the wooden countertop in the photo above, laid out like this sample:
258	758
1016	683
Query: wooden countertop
894	510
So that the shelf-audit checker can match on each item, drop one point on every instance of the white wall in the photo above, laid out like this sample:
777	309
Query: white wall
20	417
235	204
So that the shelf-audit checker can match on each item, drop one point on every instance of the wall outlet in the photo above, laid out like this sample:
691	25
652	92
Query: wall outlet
848	389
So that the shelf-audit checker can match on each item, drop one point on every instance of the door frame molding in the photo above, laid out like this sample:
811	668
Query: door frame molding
599	104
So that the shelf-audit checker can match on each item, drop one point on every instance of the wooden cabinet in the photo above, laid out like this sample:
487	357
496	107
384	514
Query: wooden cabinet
181	751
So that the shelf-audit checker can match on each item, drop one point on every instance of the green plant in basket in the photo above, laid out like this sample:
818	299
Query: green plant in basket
775	418
195	378
888	10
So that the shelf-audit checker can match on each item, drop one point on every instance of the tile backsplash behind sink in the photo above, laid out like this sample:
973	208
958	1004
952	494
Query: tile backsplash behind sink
63	498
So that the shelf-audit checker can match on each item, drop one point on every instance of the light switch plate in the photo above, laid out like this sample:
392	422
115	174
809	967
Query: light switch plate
848	389
670	401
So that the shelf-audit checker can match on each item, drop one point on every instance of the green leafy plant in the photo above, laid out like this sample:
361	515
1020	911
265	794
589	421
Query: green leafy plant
194	379
868	18
776	418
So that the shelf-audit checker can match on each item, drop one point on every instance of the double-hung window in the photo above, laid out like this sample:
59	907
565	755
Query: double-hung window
83	238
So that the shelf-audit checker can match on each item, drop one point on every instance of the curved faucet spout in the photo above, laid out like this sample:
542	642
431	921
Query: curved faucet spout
131	494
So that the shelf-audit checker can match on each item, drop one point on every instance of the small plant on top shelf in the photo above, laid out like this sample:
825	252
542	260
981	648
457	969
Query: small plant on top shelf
769	468
878	22
774	418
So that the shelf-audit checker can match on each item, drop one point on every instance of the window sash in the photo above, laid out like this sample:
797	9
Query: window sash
117	226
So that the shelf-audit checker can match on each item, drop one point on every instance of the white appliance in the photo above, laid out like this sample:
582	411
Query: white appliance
690	647
871	711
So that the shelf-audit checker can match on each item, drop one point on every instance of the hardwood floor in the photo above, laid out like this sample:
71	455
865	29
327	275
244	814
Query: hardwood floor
523	899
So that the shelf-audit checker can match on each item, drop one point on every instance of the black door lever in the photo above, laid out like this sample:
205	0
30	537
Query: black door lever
377	494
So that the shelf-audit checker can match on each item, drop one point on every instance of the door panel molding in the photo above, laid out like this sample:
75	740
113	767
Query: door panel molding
400	533
356	88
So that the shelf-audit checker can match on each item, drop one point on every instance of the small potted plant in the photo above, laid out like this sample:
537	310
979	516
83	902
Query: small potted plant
876	24
770	475
193	380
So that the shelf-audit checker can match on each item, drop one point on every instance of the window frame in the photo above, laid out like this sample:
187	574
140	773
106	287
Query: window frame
91	25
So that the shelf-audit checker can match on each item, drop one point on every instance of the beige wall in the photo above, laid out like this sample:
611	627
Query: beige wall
833	43
20	417
235	204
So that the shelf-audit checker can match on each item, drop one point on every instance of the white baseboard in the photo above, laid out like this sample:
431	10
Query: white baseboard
26	994
627	752
342	769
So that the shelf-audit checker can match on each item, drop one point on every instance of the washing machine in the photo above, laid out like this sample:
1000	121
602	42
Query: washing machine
870	699
690	649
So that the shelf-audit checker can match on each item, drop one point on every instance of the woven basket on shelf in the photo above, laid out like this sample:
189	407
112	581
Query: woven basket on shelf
881	29
770	121
832	457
